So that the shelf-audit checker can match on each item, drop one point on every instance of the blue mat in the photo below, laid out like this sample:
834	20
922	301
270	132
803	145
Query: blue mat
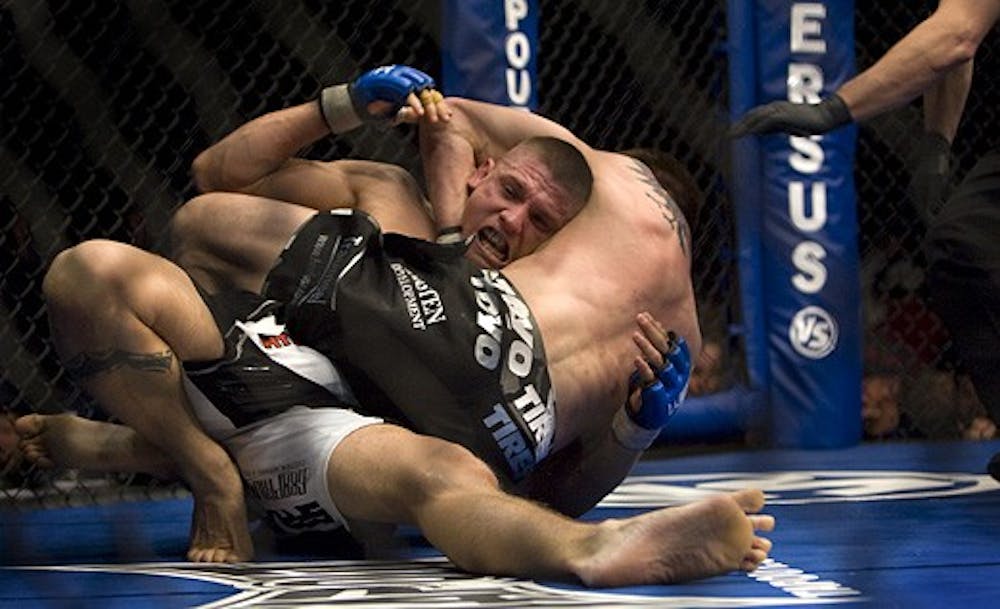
889	525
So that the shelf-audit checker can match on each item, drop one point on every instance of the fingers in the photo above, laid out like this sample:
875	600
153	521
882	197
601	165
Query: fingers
665	351
427	105
646	374
649	352
433	104
416	104
654	332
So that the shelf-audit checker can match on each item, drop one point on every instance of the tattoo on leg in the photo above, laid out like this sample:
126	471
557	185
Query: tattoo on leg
85	365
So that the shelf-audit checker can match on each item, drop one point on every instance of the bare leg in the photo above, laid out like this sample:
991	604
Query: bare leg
388	474
71	442
242	258
123	320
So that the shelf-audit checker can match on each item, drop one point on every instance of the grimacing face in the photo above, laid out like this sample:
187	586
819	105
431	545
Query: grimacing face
513	206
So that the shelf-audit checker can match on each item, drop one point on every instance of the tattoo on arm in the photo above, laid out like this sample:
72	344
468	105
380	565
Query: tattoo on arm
666	205
88	364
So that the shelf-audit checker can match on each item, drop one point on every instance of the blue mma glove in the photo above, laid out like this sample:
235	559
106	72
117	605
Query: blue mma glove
391	84
659	400
345	106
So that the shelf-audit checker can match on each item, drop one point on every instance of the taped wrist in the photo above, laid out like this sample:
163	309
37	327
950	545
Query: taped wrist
449	234
630	434
338	109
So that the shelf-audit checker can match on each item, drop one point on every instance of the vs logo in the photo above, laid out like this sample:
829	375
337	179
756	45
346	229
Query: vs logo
813	333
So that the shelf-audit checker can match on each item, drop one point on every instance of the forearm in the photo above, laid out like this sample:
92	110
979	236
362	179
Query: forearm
574	480
496	129
945	101
258	148
943	41
448	154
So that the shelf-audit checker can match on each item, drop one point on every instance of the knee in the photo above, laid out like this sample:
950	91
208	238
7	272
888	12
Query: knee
450	468
95	267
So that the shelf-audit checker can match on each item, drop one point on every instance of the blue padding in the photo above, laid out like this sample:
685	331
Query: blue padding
489	51
745	185
717	417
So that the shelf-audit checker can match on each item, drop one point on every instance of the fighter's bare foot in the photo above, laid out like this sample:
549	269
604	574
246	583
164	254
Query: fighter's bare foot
219	532
218	526
710	537
65	440
70	441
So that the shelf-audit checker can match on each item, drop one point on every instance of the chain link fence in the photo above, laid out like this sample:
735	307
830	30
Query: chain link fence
913	381
105	105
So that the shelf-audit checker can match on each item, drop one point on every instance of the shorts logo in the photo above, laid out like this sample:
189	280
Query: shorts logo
423	303
813	333
290	483
524	424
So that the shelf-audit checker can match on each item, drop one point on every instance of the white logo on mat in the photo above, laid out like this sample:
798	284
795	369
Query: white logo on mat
435	583
797	488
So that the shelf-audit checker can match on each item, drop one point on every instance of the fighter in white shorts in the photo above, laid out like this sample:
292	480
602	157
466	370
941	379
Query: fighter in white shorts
279	408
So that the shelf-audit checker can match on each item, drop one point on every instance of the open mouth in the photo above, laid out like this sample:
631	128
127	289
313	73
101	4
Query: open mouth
493	243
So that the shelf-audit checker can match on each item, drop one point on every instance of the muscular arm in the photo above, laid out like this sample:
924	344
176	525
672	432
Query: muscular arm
477	131
258	148
257	159
945	40
387	192
945	101
495	129
576	478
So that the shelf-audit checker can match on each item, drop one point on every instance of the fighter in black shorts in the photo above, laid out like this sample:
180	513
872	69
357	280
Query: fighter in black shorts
387	473
468	362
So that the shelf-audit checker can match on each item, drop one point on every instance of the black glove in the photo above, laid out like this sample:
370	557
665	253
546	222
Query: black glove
931	174
795	119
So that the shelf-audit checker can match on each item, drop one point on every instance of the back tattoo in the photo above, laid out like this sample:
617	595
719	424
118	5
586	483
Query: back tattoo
668	208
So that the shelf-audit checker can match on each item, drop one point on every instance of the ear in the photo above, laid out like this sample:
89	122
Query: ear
480	173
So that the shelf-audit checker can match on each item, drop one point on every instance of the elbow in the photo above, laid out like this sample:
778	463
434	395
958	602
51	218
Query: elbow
963	48
210	173
201	173
963	35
